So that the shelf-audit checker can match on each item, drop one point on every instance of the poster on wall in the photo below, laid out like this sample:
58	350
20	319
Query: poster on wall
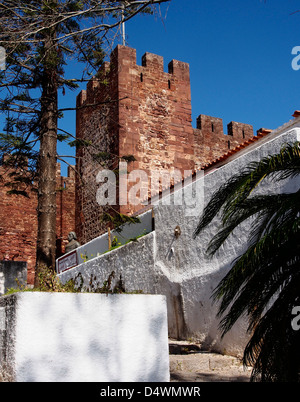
66	262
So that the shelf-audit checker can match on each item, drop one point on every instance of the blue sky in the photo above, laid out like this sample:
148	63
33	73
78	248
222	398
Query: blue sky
239	54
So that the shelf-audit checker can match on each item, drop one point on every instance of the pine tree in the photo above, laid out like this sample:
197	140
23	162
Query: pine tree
37	37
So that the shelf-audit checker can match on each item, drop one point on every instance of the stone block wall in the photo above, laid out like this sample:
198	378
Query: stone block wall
18	226
18	220
126	109
12	274
65	208
210	141
141	110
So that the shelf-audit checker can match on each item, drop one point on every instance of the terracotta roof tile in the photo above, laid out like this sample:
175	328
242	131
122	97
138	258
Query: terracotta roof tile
296	113
233	151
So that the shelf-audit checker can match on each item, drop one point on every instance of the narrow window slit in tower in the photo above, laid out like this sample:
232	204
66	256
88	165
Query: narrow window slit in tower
228	144
212	127
169	84
142	77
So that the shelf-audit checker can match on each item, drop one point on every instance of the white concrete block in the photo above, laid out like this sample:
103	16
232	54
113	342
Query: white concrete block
88	337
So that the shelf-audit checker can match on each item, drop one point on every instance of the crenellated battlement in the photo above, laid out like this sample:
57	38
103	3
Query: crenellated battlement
123	64
123	69
214	125
210	140
70	173
126	109
212	128
144	111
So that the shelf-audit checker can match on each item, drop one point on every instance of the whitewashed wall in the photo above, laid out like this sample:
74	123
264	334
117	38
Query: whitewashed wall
98	246
179	268
68	337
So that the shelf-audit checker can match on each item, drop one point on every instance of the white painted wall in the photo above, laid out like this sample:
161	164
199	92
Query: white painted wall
179	268
2	283
88	337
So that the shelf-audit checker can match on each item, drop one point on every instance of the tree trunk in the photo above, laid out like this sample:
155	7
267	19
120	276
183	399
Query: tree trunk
46	237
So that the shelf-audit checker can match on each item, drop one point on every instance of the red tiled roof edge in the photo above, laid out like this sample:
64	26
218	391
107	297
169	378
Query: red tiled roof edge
261	133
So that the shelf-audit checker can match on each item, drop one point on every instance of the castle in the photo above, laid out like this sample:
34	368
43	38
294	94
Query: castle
126	110
144	112
18	220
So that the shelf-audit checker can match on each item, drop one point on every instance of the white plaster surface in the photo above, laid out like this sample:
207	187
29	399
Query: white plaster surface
2	282
179	268
90	337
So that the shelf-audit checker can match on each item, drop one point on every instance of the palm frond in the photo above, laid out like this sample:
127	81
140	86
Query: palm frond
263	283
237	189
261	270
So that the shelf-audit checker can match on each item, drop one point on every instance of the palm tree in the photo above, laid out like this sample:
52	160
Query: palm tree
264	282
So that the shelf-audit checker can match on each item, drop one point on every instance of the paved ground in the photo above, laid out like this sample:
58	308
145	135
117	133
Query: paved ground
189	364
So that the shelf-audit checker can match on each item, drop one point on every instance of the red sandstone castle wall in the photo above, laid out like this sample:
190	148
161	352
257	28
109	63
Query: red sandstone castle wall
210	142
18	220
154	112
127	109
65	208
99	126
145	112
18	226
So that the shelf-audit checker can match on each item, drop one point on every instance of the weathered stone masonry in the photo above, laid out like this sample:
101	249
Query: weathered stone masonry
18	220
126	109
65	207
145	112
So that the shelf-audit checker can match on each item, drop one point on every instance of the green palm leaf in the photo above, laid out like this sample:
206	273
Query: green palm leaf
263	283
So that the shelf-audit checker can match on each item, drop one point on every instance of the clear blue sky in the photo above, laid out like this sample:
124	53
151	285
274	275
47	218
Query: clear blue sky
239	54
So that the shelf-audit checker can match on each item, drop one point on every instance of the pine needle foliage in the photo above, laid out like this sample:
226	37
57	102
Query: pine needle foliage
39	38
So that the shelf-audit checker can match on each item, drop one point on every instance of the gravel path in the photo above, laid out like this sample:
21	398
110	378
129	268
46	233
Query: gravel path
189	364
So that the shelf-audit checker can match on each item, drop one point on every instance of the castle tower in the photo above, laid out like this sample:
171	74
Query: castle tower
142	111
